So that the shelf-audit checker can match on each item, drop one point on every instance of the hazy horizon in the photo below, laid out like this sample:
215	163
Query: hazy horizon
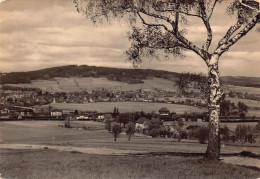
123	68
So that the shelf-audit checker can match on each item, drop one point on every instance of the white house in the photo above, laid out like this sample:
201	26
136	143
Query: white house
56	113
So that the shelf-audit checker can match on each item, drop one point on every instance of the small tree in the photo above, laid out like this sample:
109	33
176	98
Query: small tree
180	123
67	122
224	108
116	130
130	129
108	125
257	127
225	133
242	107
154	124
242	115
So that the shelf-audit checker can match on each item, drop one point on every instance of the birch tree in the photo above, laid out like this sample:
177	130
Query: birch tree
161	32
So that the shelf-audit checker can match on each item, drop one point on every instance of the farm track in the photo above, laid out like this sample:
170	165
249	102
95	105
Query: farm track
232	158
87	150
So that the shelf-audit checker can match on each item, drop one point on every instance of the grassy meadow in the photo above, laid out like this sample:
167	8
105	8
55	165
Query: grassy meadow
159	157
126	107
52	164
49	133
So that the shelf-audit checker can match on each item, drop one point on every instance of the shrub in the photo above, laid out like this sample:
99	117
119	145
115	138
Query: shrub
153	132
164	131
242	115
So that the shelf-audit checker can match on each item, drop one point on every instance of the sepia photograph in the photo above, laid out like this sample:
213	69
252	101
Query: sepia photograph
129	89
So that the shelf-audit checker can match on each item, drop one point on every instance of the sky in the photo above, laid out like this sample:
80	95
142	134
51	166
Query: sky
36	34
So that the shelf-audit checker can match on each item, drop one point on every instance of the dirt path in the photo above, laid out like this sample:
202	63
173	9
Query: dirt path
97	151
235	160
243	161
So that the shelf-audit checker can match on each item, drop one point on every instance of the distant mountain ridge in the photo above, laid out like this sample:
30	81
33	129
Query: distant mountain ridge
114	74
241	81
131	76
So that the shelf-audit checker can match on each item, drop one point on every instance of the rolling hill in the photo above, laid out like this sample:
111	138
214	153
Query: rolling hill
133	76
76	78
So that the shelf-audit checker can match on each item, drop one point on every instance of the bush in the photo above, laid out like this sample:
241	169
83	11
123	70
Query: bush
242	115
153	132
202	134
180	123
164	131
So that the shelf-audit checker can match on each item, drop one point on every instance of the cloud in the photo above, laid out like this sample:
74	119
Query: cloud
39	34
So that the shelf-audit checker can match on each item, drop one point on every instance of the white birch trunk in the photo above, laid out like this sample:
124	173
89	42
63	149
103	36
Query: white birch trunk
215	94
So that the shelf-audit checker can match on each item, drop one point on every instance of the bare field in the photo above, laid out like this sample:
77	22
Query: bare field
126	107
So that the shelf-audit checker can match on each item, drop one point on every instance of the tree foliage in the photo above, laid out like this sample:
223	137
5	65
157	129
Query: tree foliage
157	29
116	130
242	107
130	129
161	21
124	118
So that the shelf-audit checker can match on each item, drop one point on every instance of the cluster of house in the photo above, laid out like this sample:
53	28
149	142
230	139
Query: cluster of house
15	111
30	98
23	112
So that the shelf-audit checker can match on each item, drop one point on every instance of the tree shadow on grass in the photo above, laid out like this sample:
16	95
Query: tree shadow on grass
185	154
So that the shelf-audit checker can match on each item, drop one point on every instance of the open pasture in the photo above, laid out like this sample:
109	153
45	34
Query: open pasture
49	163
49	133
248	102
126	107
243	89
231	126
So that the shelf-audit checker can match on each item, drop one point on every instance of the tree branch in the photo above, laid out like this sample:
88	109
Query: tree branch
212	9
155	25
205	19
225	46
158	17
230	32
189	45
177	18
